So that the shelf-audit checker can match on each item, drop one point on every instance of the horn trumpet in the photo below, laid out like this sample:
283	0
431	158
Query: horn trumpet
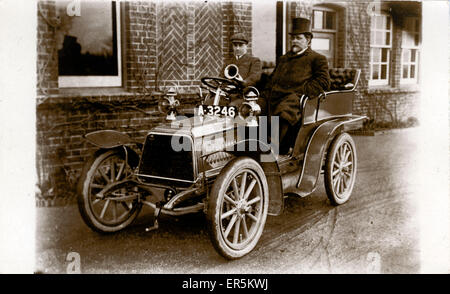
232	72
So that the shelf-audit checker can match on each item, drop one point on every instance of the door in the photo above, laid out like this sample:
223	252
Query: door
324	43
325	29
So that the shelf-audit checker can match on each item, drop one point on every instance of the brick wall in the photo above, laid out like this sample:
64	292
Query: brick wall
47	71
357	51
163	44
237	19
140	45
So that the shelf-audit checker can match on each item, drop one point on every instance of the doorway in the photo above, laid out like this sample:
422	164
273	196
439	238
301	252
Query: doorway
325	28
324	43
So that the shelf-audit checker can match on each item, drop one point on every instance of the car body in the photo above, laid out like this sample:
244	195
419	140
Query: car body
226	166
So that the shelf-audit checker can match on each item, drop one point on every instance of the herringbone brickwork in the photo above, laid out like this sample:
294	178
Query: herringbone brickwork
166	43
172	45
208	40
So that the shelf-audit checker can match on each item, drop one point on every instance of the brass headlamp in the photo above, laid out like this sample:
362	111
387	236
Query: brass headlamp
249	109
168	104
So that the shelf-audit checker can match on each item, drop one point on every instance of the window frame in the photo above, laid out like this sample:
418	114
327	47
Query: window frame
100	81
374	46
324	10
407	47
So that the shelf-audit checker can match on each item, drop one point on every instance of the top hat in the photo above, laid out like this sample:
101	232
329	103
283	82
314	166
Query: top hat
239	38
301	26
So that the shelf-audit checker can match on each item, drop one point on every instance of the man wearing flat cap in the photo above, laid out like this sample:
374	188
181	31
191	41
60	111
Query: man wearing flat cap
300	71
249	67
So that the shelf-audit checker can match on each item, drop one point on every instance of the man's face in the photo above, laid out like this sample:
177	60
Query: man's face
239	49
298	42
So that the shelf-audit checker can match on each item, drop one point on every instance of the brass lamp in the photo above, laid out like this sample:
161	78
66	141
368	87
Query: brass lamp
249	109
168	104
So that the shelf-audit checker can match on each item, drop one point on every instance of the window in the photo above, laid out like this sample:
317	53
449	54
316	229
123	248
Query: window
410	50
380	49
324	19
89	44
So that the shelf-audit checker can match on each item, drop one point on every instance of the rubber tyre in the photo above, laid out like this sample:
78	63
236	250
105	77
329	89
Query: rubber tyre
340	169
218	205
84	198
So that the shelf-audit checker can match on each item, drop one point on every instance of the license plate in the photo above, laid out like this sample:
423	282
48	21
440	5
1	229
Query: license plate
217	110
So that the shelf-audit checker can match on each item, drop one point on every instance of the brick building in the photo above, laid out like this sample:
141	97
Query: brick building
102	65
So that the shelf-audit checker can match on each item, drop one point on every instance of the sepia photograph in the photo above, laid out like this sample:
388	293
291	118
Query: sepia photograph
225	137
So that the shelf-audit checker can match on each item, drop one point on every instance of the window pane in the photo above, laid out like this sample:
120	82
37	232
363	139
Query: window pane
387	22
384	55
405	56
375	72
413	55
380	23
383	71
413	71
320	44
408	39
318	19
405	72
89	45
388	39
376	58
330	20
379	38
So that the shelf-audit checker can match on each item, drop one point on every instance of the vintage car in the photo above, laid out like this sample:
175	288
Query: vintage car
223	160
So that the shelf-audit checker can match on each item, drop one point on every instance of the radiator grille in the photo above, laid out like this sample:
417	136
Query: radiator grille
160	160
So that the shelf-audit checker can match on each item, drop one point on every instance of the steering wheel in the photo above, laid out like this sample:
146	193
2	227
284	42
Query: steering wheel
225	85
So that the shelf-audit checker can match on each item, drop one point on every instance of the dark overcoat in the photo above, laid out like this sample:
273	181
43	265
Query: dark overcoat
249	66
295	75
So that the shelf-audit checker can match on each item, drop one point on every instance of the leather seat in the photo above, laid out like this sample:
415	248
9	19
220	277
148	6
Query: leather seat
342	78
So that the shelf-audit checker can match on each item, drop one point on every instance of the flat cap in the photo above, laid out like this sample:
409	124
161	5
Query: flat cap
239	38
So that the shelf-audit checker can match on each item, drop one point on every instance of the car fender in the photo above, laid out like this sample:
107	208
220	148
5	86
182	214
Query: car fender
266	157
315	150
110	139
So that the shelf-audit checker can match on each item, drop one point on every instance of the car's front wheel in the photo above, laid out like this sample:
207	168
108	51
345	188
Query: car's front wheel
237	208
105	202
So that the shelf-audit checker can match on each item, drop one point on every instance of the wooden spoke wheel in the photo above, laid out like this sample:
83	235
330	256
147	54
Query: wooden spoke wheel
237	208
340	170
106	202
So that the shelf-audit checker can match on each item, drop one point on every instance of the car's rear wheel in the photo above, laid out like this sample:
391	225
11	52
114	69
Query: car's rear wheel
105	202
237	208
340	169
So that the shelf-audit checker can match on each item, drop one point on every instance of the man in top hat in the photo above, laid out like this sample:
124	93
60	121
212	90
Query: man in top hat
250	68
300	71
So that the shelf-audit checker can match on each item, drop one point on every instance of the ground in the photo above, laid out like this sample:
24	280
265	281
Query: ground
376	231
